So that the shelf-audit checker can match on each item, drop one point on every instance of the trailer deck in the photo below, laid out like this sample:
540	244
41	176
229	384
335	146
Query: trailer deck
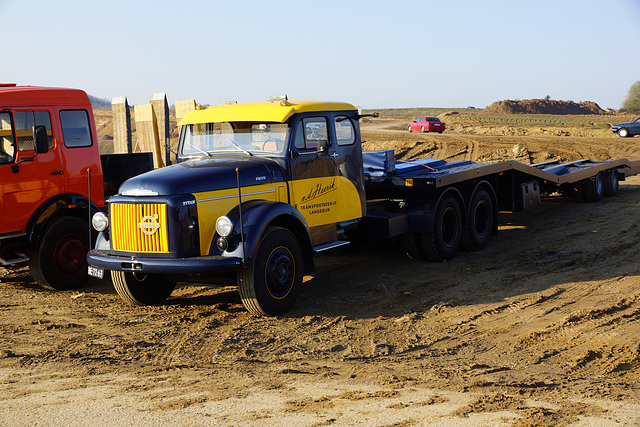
381	166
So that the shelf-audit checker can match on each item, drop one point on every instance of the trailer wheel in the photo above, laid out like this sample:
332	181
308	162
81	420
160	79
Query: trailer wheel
593	188
477	230
142	289
611	182
59	263
270	286
443	243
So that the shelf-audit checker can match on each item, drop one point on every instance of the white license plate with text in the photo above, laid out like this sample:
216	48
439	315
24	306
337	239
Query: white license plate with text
96	272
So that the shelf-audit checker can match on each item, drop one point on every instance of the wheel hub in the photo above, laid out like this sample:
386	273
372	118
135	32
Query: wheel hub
280	273
69	255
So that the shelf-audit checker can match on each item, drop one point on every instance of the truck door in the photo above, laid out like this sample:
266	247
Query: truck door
25	186
349	161
318	190
80	153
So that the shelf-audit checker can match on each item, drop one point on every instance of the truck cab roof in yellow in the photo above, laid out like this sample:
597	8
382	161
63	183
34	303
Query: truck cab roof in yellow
278	112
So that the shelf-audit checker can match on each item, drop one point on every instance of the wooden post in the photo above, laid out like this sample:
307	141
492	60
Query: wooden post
147	133
183	107
161	114
121	125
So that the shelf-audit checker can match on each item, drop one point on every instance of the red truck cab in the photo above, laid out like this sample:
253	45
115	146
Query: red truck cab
45	200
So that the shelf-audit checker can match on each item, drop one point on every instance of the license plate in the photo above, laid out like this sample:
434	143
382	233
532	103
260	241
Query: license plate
96	272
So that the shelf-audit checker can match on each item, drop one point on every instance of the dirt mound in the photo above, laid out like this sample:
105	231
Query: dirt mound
543	106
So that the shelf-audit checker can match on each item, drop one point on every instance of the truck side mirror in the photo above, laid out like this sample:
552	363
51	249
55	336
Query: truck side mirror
323	147
40	138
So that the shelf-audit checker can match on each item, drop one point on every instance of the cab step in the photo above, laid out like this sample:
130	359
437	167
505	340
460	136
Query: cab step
20	258
330	245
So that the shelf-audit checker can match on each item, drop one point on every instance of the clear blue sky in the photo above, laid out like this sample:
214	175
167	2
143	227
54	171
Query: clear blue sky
378	54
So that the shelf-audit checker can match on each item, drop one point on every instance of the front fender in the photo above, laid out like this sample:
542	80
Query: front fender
69	204
257	216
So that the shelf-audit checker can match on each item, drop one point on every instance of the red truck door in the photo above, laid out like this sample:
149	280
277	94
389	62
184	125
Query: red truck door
81	152
24	186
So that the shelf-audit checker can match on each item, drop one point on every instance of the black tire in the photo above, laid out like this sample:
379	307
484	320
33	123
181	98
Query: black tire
142	289
593	188
444	242
422	129
271	285
477	230
611	182
60	261
409	127
623	132
413	245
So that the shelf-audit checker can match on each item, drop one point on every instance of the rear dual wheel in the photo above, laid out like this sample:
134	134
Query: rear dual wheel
451	231
593	188
443	243
611	182
479	225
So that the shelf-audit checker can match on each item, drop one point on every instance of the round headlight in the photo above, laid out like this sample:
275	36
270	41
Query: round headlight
100	221
224	226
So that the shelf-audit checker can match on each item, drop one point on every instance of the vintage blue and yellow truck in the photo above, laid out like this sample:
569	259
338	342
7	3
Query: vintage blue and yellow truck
259	188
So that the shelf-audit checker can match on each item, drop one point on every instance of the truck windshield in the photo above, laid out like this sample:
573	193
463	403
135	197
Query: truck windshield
242	137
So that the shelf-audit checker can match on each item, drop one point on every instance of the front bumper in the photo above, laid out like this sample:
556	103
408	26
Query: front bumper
202	264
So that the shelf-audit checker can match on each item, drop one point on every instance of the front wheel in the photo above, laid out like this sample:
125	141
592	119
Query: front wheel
59	263
623	133
142	289
271	285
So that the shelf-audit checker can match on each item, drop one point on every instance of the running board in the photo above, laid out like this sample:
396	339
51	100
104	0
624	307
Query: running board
12	235
330	245
22	258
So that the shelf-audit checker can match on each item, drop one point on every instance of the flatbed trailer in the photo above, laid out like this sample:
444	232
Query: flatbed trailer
403	197
260	188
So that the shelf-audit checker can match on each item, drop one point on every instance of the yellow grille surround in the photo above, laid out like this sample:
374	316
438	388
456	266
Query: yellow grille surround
139	228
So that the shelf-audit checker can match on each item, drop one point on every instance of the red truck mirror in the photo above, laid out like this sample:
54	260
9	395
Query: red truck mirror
40	138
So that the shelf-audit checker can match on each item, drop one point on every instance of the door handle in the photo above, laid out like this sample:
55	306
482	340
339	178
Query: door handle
56	173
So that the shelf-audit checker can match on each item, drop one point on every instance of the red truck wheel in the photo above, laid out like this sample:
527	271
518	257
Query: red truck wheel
271	285
60	262
142	289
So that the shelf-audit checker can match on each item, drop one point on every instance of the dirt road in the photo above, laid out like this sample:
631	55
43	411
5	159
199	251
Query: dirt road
540	328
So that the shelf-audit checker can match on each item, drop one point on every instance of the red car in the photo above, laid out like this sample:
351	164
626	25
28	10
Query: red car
426	124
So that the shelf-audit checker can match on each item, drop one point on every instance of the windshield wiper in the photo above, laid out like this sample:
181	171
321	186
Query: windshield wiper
238	147
200	149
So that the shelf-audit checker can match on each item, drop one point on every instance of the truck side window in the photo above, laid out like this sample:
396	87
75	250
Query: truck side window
345	133
24	128
309	131
76	130
7	146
